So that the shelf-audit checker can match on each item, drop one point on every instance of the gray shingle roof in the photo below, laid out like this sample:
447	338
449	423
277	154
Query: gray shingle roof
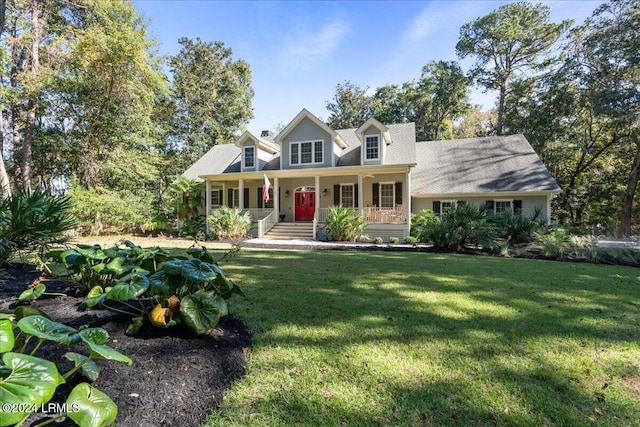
401	151
479	165
224	158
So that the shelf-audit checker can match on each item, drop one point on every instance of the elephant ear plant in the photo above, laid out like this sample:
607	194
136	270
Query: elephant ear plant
27	382
191	291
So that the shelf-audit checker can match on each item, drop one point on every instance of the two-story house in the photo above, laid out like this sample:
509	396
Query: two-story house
380	170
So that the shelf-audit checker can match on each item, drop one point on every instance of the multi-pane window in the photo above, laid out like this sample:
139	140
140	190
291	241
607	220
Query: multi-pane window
346	195
249	157
308	152
387	195
445	206
235	198
502	205
372	148
216	198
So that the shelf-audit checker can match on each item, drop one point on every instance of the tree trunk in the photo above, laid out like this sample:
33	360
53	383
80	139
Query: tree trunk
33	102
14	107
627	197
5	184
502	96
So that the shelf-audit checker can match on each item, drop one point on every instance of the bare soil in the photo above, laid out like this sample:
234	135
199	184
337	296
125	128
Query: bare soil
176	379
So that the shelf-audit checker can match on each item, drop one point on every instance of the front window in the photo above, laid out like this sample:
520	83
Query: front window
346	195
387	195
249	157
216	198
503	205
305	153
445	206
235	198
372	148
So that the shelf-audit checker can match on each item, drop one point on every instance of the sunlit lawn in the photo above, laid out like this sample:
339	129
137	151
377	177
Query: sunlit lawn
378	338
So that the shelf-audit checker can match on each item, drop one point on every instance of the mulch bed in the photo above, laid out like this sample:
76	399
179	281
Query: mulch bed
176	379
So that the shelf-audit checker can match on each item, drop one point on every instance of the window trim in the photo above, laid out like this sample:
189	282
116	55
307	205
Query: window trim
442	202
244	156
377	136
218	192
393	186
495	204
353	195
298	145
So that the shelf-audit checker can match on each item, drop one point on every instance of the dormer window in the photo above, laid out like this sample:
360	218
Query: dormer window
249	157
372	147
307	152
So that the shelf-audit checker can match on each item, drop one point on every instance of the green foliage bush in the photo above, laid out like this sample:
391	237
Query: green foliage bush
164	290
377	240
420	221
393	240
461	225
516	227
344	224
194	228
103	211
410	240
33	222
227	223
29	381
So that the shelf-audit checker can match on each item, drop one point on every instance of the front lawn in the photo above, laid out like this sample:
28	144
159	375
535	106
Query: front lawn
376	338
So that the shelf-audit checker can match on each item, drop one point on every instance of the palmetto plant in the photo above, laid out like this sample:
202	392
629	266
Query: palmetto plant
344	224
33	222
227	223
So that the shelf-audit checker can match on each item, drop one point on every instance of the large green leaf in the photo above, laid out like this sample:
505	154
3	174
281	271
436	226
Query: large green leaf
7	339
115	266
202	254
173	266
89	368
28	310
32	294
95	297
95	339
198	271
89	407
31	381
72	257
92	253
202	312
122	291
41	327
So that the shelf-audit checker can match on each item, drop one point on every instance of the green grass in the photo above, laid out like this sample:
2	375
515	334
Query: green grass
388	338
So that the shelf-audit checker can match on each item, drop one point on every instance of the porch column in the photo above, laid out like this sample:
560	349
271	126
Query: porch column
225	202
207	203
241	194
317	195
549	208
360	197
408	199
276	193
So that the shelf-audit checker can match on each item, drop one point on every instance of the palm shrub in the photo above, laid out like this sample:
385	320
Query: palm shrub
344	224
516	227
461	226
420	221
227	223
33	221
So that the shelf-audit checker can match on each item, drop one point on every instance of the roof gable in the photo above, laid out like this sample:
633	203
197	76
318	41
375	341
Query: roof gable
337	139
263	144
386	135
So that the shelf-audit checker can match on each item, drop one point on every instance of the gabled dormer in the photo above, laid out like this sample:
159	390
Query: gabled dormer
374	137
307	142
255	151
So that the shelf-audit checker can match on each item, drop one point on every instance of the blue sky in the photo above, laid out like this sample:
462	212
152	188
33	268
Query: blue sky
300	51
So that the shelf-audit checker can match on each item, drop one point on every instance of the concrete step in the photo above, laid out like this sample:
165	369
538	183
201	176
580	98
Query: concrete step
290	231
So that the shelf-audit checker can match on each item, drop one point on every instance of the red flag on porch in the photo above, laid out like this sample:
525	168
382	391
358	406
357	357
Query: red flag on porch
265	188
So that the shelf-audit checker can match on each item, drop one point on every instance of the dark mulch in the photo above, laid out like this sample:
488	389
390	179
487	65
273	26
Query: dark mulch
177	378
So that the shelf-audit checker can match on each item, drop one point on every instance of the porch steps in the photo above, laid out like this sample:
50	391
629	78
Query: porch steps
291	231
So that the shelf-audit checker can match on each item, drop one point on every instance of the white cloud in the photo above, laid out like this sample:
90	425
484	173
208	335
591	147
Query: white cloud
306	48
421	26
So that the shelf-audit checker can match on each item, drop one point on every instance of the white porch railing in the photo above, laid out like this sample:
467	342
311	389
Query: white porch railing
259	213
265	224
372	215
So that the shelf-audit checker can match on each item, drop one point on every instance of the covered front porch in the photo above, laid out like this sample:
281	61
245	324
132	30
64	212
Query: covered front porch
382	198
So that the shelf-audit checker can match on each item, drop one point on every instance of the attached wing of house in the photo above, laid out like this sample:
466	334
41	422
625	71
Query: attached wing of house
377	169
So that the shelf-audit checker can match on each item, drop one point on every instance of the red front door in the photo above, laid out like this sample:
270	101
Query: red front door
305	205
